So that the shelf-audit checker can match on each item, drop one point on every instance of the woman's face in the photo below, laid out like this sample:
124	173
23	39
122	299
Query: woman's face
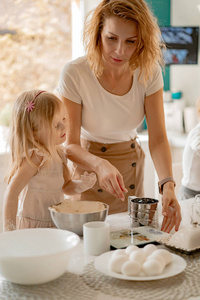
119	40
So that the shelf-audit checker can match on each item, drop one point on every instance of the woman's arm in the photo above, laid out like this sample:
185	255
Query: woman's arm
14	188
108	176
161	156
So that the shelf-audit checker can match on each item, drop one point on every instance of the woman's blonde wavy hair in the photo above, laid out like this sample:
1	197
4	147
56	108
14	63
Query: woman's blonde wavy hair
25	126
148	51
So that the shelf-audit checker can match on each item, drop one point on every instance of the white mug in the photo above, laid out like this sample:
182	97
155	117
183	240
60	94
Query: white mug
96	237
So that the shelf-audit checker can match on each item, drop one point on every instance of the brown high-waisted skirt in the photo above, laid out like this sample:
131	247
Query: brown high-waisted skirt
128	158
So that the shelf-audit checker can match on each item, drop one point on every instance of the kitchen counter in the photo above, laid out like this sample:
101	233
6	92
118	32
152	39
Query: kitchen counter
83	282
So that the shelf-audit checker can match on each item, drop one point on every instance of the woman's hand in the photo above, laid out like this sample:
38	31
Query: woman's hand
170	210
110	179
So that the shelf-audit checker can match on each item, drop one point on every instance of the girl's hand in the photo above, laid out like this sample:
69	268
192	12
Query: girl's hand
88	180
171	211
110	179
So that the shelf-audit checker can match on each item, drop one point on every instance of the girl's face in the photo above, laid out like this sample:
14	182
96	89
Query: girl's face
59	124
58	135
119	41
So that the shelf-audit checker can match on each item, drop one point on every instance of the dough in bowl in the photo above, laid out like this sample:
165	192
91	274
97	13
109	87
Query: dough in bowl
78	207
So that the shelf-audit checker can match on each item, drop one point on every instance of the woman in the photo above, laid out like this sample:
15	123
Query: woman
107	94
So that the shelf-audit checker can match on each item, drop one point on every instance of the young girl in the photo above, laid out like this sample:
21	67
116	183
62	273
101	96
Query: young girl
38	176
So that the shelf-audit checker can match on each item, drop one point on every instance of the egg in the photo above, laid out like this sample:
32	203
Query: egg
130	249
116	263
157	257
138	255
131	268
119	252
152	267
149	249
133	260
165	254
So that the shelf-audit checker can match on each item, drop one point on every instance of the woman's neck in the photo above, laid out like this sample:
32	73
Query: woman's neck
117	81
116	73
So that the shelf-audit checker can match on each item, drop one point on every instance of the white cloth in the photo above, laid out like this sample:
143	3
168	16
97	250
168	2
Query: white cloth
106	118
191	160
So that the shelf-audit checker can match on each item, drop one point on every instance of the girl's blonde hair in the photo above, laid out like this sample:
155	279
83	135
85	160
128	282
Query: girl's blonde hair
148	51
26	124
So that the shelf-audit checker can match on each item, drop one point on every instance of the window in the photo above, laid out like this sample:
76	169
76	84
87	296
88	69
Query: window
35	43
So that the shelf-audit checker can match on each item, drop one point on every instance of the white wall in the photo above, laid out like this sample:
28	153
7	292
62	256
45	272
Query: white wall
186	77
80	9
90	4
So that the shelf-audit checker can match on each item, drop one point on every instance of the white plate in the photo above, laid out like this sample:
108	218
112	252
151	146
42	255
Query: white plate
177	266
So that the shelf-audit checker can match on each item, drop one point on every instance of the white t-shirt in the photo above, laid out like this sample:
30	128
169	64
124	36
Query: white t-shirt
106	118
191	160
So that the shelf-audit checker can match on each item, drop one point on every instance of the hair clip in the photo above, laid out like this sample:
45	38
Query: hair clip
30	106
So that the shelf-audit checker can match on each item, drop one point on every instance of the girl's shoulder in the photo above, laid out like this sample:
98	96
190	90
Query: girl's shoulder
36	156
34	151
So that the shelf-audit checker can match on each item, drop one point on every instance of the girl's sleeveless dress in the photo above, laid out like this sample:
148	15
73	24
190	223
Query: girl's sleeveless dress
43	190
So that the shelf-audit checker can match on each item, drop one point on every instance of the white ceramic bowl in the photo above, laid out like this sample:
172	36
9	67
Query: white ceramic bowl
35	256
